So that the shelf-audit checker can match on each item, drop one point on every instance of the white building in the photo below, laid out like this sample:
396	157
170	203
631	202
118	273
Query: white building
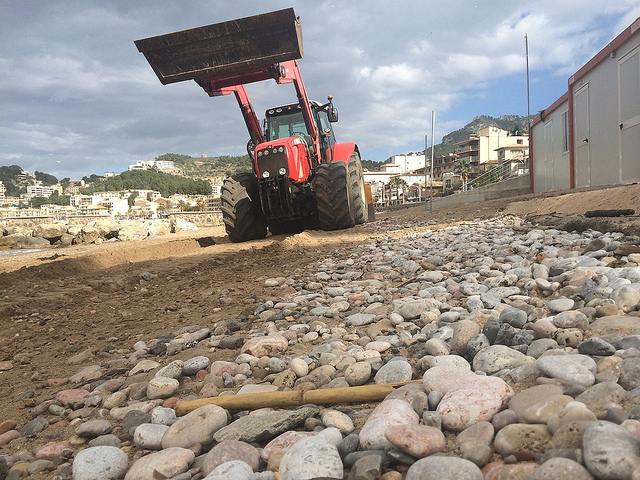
3	192
40	191
590	136
404	163
148	164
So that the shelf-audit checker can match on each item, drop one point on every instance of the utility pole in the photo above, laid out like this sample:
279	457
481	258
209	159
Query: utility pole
433	129
526	49
425	171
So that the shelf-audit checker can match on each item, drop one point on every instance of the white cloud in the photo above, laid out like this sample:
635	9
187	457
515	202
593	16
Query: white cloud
74	83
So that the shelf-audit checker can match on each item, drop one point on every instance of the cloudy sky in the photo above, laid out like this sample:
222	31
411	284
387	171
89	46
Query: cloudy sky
78	98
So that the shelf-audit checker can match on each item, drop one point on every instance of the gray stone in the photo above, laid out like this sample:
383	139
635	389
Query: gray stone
450	468
570	368
149	436
495	358
368	467
601	396
197	426
596	346
560	305
164	464
264	425
311	458
561	469
94	428
525	399
629	373
108	463
610	451
541	345
514	317
229	450
391	372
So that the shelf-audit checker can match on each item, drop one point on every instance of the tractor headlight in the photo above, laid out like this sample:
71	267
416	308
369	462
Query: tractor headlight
282	171
265	174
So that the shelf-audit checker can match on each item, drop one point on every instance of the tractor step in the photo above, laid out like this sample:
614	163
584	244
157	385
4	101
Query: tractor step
227	49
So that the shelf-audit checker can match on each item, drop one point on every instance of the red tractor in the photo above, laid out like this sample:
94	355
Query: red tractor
302	178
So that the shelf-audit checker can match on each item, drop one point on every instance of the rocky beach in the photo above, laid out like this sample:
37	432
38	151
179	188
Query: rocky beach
510	331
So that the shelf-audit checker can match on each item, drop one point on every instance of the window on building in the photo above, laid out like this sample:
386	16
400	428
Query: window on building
565	131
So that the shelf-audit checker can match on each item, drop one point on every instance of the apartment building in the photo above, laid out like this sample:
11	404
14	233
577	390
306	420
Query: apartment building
481	150
3	192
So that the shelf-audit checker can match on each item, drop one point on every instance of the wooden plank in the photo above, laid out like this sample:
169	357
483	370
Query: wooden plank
294	398
224	49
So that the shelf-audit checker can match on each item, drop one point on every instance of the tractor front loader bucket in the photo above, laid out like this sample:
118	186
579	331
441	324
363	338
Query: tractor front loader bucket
224	50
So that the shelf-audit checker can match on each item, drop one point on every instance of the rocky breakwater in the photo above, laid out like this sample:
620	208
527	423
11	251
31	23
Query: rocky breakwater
525	344
93	232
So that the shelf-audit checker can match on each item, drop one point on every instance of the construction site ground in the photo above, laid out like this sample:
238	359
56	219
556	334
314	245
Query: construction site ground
57	302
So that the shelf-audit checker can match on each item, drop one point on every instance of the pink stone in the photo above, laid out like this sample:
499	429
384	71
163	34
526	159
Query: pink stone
417	440
55	450
229	450
284	442
389	413
55	382
378	346
543	328
7	437
71	397
219	367
265	346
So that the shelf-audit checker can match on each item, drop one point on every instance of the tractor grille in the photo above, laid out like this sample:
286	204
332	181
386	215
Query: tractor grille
272	161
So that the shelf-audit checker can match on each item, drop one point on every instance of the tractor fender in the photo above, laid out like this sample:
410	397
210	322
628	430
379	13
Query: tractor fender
342	151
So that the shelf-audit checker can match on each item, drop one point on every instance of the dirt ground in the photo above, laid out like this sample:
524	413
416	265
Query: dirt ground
57	303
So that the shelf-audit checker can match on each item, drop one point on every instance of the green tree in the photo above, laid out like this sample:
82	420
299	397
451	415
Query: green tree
464	168
131	200
399	183
45	178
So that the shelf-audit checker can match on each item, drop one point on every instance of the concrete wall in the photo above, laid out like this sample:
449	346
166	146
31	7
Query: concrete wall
510	187
202	219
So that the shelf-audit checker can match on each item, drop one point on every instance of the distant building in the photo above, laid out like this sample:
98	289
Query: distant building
161	165
481	150
3	191
40	191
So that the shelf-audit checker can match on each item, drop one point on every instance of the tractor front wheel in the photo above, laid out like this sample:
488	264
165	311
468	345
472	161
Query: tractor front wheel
333	196
241	212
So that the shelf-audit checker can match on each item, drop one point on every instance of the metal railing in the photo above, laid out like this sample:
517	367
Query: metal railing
498	173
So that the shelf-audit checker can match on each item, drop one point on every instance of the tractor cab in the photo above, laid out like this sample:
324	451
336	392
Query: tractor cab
288	121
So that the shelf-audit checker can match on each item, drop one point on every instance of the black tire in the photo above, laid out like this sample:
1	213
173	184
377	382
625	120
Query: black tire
241	212
358	195
333	196
280	227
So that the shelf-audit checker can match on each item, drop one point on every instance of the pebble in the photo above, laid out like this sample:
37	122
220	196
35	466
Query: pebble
109	463
197	426
479	311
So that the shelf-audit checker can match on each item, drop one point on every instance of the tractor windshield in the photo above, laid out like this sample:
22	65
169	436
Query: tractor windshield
285	125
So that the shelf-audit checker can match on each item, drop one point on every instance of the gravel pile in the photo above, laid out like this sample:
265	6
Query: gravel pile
520	347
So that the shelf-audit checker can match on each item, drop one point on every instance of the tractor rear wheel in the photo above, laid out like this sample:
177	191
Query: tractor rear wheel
241	212
358	195
333	196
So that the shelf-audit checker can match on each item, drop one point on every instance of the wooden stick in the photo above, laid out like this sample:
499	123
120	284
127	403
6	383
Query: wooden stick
293	398
610	213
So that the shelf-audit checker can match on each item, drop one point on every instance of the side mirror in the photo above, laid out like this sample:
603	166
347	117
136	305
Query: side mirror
332	113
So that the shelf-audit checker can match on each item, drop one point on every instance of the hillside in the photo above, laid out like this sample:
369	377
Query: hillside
226	165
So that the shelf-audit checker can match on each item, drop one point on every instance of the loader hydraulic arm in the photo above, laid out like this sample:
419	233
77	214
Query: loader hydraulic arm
248	113
282	73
